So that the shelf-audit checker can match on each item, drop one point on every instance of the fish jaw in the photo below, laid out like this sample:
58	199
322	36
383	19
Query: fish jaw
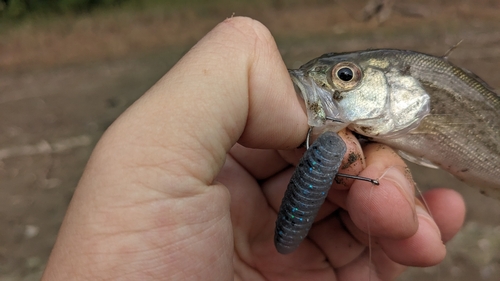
320	106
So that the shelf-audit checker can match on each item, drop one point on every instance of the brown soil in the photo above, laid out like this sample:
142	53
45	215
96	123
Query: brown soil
63	83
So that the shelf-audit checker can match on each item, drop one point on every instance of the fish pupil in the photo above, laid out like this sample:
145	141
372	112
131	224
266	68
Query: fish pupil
345	74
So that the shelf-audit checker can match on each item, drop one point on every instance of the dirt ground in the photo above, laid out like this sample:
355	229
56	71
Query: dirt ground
53	113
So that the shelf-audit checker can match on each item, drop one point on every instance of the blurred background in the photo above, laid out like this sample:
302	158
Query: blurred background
68	68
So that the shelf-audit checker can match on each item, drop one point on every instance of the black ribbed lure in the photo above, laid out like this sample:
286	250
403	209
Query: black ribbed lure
307	190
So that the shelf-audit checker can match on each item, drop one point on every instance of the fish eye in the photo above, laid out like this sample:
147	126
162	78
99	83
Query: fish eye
346	75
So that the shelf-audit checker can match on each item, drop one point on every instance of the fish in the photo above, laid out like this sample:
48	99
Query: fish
430	111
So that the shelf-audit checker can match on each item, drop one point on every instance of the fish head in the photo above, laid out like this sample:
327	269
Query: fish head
372	94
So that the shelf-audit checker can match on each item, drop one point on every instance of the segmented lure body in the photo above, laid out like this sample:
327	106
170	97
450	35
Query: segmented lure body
307	190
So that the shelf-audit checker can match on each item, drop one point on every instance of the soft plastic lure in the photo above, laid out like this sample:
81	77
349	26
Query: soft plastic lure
307	190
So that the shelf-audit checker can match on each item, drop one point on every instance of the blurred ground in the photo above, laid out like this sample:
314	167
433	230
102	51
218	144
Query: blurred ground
63	82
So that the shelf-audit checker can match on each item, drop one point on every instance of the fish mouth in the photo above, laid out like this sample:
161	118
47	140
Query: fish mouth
297	77
320	107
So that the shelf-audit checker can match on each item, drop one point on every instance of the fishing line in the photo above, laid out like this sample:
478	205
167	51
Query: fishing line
451	49
370	264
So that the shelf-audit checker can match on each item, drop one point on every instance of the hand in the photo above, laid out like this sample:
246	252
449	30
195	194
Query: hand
168	194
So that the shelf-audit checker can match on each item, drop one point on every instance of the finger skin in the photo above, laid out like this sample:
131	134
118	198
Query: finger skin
146	199
426	248
386	210
371	265
447	208
404	230
260	163
339	246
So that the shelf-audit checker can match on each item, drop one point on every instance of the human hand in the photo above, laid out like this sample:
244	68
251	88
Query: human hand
168	194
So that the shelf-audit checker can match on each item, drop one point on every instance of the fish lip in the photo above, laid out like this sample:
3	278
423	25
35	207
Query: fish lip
297	77
320	108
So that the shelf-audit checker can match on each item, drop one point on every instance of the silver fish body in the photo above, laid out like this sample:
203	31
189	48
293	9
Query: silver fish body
432	112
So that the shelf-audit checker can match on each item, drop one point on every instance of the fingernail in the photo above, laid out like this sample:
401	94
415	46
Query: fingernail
400	177
424	214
